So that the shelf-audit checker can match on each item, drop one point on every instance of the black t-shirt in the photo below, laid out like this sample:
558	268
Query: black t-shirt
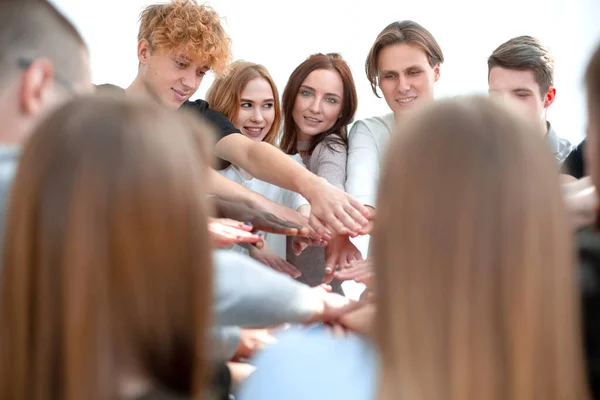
223	125
574	164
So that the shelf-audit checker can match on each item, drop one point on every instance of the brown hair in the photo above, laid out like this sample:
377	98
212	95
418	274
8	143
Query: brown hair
184	25
330	61
224	94
476	286
526	53
31	29
592	82
401	32
107	269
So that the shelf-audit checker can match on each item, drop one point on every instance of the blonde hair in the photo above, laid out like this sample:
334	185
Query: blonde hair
186	26
225	92
475	280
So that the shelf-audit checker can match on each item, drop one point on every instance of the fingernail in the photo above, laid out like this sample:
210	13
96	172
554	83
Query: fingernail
328	270
248	223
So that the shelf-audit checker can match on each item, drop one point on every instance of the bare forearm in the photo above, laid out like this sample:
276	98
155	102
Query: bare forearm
272	165
229	190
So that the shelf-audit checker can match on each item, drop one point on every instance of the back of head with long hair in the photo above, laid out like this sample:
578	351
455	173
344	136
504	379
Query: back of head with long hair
330	61
225	93
476	288
107	268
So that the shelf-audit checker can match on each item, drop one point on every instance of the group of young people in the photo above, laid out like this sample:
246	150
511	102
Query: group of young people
155	247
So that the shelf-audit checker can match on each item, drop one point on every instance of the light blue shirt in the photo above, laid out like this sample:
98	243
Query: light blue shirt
313	364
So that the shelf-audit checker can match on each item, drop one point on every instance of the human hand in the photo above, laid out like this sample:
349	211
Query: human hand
339	253
291	224
581	201
358	270
272	260
252	340
225	232
332	206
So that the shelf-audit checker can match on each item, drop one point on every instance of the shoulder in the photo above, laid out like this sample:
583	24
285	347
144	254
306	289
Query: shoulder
319	358
221	122
196	105
375	126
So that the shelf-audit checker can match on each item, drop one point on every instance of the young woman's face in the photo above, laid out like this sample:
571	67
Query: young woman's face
405	77
256	109
318	103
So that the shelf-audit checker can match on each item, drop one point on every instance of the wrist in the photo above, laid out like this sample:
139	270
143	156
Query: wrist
308	186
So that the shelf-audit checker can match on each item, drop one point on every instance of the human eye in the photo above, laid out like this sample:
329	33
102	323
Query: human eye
268	106
331	100
201	72
306	93
246	105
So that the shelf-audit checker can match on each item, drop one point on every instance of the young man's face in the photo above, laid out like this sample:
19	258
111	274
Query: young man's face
520	88
171	77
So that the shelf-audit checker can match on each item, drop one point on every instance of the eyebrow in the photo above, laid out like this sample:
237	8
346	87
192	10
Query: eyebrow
522	90
252	101
327	94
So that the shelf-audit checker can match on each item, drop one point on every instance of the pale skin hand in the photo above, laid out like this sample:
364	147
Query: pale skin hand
329	204
359	270
252	340
226	232
339	253
330	306
272	260
581	200
299	243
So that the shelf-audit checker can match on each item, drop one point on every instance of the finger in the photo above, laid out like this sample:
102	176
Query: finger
317	225
289	269
359	211
328	278
234	224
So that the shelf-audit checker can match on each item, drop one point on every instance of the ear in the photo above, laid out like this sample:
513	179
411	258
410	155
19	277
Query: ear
36	84
144	51
436	72
550	96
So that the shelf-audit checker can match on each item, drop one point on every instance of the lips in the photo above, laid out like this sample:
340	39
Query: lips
312	120
253	130
182	96
406	100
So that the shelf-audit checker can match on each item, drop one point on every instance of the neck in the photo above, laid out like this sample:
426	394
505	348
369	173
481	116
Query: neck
303	137
138	88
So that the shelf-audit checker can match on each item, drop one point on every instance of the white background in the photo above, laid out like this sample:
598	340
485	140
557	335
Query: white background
280	34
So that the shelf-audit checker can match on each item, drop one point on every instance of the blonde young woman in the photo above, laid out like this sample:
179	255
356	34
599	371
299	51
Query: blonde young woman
475	278
247	95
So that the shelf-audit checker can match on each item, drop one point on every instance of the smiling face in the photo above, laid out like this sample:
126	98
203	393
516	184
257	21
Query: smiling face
170	77
318	104
405	77
256	111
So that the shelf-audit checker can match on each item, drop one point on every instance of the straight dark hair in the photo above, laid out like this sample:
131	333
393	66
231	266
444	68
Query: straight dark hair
337	133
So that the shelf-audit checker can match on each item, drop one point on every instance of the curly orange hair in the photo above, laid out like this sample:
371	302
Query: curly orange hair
186	26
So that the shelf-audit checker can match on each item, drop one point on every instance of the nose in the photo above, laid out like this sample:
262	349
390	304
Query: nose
403	84
315	105
190	80
257	115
